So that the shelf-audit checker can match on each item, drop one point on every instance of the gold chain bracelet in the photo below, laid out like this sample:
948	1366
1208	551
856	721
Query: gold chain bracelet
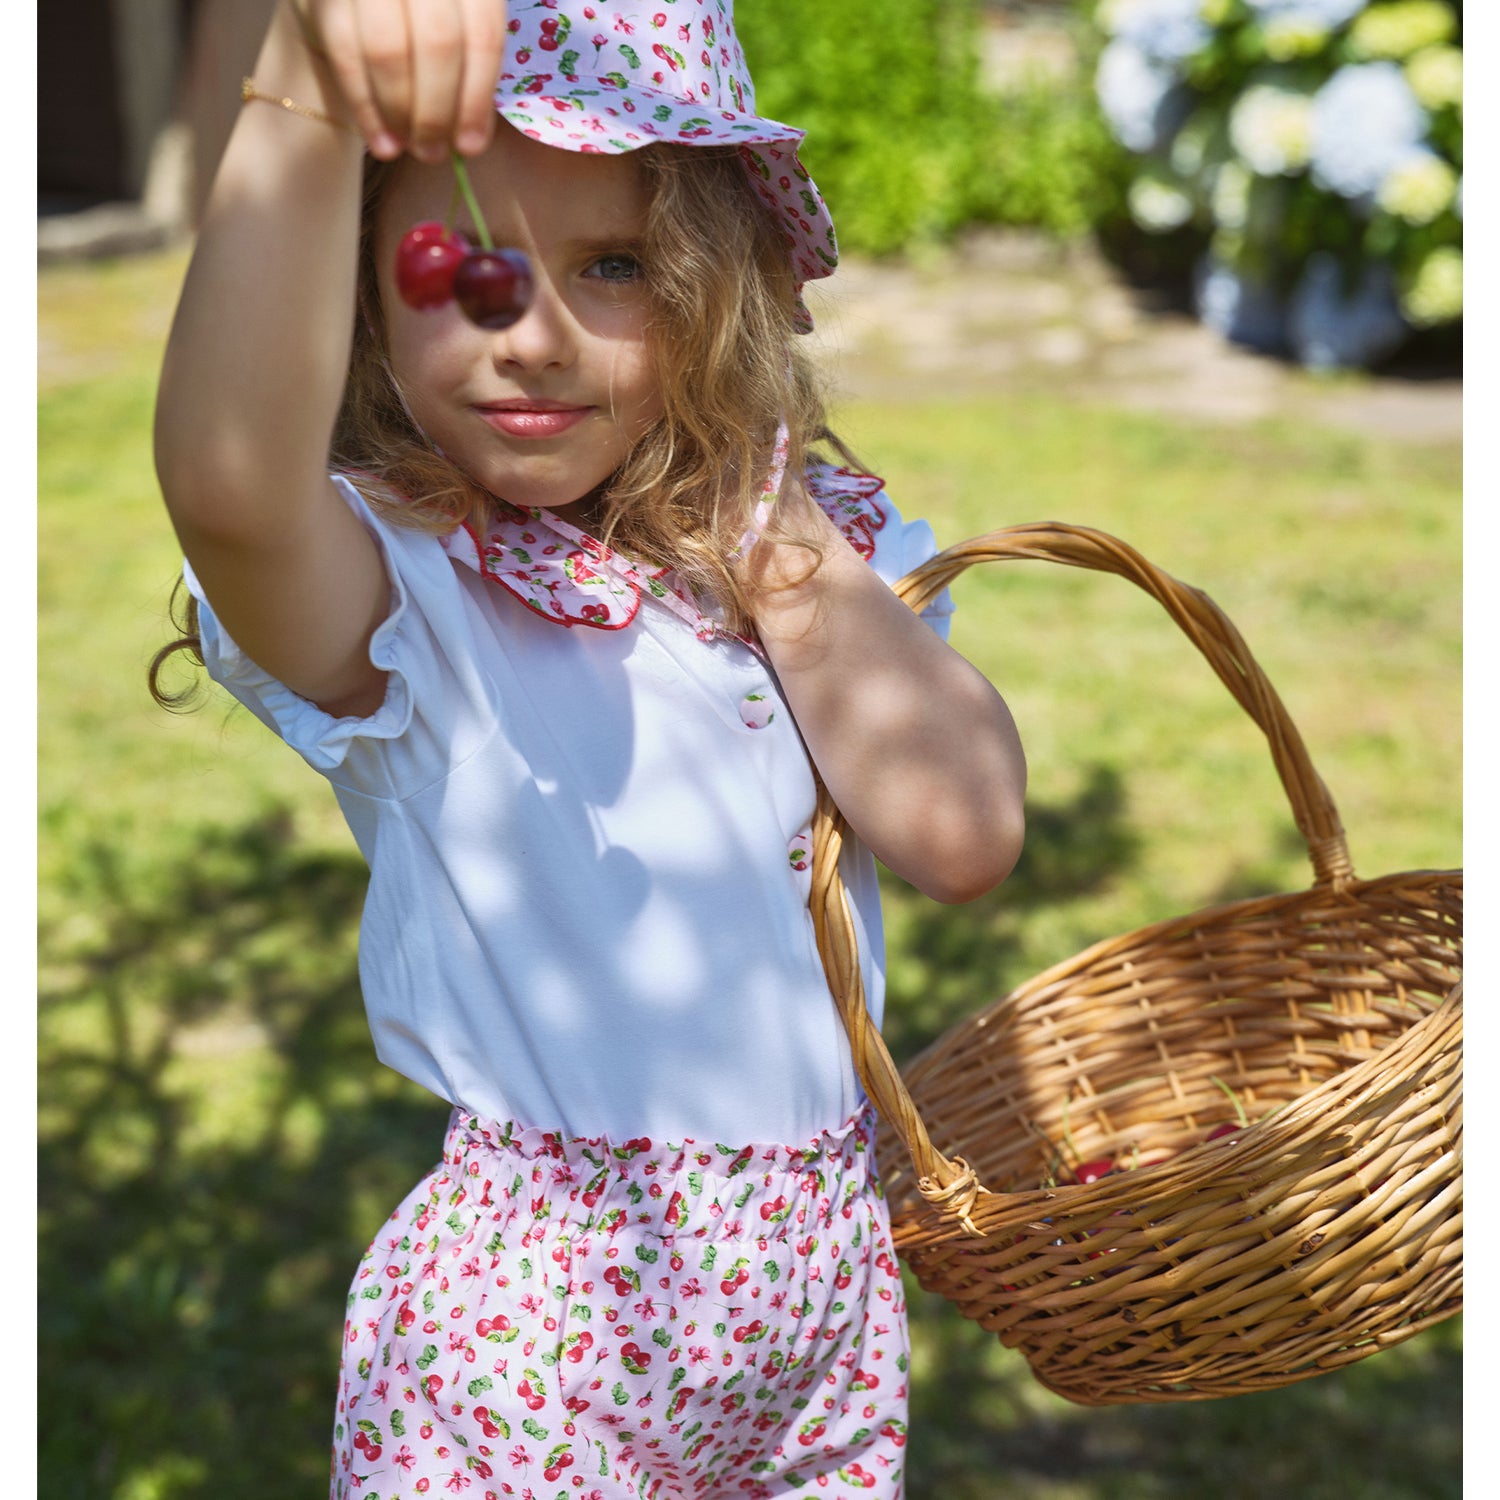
248	91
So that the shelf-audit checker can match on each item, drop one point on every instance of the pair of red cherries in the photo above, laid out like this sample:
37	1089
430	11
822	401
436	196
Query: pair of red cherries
436	264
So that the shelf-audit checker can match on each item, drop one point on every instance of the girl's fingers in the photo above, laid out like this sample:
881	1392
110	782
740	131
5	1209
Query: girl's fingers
484	47
336	24
418	75
437	71
386	49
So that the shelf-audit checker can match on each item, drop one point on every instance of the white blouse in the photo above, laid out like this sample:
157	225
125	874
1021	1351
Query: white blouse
587	832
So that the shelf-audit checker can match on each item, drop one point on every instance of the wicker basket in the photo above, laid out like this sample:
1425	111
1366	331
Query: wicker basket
1329	1227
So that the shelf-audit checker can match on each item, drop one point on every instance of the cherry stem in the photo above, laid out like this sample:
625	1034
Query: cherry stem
461	177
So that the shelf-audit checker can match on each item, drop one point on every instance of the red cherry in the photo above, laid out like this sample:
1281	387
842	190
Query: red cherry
1220	1131
426	261
1092	1171
493	287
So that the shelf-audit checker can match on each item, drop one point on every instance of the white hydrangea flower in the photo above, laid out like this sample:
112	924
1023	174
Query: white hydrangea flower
1326	14
1157	203
1364	120
1331	327
1287	37
1399	29
1436	293
1419	187
1141	98
1436	76
1270	128
1167	30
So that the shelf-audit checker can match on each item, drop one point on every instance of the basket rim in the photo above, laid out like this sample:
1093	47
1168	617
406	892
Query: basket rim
918	1224
1224	912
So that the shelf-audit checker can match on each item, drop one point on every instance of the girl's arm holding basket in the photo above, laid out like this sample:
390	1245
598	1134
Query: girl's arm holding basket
259	350
917	749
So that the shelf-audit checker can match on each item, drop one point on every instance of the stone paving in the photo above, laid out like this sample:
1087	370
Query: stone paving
1010	310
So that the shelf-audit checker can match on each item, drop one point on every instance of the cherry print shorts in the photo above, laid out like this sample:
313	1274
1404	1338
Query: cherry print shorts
570	1319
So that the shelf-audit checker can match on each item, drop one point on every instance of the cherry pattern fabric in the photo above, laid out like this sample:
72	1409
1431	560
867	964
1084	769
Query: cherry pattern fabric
575	1319
569	577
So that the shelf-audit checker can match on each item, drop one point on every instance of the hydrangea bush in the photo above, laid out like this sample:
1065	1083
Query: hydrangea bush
1313	147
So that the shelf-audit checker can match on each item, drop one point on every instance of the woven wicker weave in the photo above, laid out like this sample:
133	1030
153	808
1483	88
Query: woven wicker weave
1329	1227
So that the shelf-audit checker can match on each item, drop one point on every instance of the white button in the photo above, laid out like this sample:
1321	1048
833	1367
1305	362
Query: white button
757	710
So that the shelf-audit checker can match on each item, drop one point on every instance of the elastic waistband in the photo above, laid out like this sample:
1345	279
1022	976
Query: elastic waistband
686	1189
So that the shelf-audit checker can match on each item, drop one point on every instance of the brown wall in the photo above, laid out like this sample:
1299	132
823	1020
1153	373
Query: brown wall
112	75
80	141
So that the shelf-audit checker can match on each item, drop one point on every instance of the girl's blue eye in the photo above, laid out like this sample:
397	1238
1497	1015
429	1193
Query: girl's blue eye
616	268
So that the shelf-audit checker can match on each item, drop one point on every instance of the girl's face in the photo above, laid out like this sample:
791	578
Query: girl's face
542	412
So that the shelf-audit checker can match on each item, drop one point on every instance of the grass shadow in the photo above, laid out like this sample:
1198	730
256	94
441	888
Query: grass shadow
218	1145
946	962
1387	1428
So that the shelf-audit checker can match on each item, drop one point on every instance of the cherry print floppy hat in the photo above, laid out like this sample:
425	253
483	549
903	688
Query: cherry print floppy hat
614	76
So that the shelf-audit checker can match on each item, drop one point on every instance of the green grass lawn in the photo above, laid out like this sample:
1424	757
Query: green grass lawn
218	1142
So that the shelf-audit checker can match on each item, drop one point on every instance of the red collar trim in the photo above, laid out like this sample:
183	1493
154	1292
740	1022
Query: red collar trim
568	577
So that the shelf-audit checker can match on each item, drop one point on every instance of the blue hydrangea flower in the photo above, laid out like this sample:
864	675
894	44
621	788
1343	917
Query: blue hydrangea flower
1166	30
1364	120
1325	14
1141	98
1238	308
1330	328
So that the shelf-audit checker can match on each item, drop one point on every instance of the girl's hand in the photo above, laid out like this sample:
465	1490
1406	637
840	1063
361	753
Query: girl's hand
417	75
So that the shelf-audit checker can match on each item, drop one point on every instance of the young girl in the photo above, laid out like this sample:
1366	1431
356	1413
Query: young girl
571	674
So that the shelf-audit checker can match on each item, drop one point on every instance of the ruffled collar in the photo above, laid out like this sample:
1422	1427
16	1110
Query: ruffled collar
570	578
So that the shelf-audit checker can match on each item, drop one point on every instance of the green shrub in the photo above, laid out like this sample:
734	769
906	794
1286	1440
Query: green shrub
1050	162
903	136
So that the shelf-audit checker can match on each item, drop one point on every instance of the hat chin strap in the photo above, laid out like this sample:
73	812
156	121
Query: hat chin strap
770	491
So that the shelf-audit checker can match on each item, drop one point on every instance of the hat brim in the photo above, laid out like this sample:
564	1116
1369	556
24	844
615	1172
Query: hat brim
599	115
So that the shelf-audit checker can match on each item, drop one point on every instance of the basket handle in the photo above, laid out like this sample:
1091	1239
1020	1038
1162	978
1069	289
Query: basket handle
951	1185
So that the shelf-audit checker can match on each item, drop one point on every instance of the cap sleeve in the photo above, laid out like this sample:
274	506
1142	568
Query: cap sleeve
862	510
406	645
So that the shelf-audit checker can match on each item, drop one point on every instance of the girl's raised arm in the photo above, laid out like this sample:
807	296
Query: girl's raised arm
917	748
259	350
